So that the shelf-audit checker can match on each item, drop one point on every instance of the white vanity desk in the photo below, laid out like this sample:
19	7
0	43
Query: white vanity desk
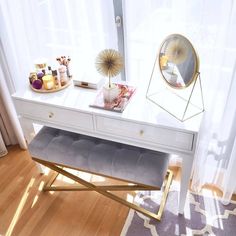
141	124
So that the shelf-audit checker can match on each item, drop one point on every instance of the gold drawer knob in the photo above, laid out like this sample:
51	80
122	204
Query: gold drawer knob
50	115
141	132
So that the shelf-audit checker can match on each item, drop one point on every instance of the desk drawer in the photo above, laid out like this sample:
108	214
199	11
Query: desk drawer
54	114
151	134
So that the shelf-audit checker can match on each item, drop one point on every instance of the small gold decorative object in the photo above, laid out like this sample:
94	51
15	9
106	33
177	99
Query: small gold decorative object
109	62
32	77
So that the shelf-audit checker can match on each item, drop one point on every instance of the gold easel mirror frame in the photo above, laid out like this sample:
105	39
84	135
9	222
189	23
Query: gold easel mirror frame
175	83
178	61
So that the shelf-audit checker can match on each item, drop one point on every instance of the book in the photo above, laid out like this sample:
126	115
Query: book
118	104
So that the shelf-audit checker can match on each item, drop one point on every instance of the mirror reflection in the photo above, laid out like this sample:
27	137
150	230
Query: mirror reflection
178	61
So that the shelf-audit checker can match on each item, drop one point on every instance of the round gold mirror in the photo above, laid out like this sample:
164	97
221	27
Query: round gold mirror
178	61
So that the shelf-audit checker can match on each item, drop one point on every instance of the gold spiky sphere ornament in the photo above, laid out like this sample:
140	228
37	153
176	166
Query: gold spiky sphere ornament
109	62
176	51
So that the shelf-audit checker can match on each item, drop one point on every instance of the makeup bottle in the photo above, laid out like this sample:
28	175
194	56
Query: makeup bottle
63	75
56	78
49	72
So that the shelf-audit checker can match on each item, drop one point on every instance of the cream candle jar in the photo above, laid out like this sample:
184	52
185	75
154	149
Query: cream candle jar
48	82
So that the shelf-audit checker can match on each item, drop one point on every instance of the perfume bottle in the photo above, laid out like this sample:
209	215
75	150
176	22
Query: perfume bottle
56	78
68	68
49	72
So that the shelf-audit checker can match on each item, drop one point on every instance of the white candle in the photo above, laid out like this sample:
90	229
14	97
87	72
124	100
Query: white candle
48	82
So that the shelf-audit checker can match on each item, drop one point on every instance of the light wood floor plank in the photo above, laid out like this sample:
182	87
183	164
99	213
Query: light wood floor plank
26	210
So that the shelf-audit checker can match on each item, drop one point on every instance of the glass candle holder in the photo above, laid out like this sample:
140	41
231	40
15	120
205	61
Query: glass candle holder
48	82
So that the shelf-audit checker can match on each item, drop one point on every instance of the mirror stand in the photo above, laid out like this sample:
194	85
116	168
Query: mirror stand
183	104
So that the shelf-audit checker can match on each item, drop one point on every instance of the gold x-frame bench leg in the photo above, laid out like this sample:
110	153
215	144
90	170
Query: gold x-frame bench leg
104	190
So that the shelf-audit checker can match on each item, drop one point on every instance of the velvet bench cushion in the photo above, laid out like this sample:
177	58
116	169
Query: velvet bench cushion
100	156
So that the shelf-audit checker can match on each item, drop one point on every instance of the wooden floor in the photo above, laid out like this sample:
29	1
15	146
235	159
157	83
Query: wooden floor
26	210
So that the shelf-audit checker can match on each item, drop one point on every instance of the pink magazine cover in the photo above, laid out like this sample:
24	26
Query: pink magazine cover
119	104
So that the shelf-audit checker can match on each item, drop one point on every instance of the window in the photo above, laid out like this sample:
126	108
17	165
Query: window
51	28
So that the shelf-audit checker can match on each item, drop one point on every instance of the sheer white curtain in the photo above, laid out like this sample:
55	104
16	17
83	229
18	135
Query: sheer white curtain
32	29
210	26
51	28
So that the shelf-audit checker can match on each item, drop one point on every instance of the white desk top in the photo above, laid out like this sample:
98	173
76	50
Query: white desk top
139	108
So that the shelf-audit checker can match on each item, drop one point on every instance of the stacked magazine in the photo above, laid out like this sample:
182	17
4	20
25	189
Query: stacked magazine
117	104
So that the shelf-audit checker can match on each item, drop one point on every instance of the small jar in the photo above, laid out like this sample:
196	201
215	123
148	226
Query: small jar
32	77
40	75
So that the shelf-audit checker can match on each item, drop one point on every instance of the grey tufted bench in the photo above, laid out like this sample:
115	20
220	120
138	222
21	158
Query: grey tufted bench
146	169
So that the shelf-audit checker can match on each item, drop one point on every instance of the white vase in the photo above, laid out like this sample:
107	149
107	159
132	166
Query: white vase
110	93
